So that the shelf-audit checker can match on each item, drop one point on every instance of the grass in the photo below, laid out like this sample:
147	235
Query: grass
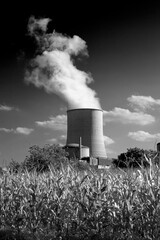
87	204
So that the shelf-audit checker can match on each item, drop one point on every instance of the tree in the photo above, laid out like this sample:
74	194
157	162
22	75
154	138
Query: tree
14	167
40	158
134	157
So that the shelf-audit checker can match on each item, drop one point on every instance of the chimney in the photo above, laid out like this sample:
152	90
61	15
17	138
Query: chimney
80	148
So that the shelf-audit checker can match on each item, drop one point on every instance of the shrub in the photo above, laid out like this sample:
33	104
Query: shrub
41	158
134	157
14	167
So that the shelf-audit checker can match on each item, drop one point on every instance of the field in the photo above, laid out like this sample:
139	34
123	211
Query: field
80	204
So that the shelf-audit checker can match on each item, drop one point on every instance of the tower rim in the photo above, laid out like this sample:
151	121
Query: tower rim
77	109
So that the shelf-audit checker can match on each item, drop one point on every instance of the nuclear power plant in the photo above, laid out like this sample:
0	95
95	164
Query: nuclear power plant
85	134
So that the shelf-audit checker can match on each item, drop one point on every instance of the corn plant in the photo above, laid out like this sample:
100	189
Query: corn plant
66	203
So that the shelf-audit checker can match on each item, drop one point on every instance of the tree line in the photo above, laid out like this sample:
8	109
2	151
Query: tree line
40	159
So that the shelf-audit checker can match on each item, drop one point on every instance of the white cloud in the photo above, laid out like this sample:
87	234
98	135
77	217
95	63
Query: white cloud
108	140
143	103
54	69
6	108
63	137
55	123
7	130
52	140
60	140
18	130
73	45
23	130
125	116
143	136
36	24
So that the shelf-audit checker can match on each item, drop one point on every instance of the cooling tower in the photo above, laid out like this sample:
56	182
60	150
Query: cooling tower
87	124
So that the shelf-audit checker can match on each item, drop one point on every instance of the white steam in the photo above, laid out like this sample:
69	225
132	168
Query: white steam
53	68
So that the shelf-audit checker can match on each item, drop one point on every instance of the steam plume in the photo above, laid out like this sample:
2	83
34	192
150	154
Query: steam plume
54	70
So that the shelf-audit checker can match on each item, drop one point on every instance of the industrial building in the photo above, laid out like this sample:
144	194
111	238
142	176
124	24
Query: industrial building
85	138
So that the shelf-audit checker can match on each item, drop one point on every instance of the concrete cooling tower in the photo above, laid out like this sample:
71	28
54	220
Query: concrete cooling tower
86	124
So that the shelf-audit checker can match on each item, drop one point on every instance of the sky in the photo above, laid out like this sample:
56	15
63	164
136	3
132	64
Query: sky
58	56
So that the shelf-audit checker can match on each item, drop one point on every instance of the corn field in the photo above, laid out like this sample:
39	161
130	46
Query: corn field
87	204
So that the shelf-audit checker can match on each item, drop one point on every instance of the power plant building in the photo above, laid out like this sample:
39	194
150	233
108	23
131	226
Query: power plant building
85	128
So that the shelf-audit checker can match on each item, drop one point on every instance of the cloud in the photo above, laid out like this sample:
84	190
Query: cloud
58	123
125	116
142	103
143	136
6	108
35	25
18	130
108	140
7	130
53	140
70	45
24	130
55	41
59	140
54	68
63	137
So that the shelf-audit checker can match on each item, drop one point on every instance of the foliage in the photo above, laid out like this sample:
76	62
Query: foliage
134	157
14	167
70	204
41	158
50	198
